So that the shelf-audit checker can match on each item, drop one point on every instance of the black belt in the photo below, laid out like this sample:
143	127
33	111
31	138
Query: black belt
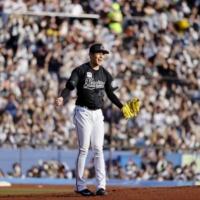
89	108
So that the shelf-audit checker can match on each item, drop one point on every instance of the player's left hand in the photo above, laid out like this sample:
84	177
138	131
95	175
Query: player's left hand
131	109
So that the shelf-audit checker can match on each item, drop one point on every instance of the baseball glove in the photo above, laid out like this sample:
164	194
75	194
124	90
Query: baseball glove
131	108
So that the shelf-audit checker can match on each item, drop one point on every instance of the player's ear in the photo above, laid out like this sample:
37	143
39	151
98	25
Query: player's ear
90	55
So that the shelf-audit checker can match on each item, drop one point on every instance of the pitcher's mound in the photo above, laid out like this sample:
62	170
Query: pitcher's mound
114	193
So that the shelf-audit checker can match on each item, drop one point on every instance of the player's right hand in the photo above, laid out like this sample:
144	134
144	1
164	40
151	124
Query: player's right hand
59	101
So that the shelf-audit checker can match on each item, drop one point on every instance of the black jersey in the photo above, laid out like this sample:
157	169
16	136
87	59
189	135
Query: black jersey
91	85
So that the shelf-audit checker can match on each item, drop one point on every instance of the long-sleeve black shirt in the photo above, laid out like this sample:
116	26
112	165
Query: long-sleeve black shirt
91	85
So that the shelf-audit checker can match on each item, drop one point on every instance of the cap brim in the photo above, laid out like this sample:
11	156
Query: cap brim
103	51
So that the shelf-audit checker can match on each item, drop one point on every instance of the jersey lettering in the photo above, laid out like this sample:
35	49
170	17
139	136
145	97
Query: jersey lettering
91	84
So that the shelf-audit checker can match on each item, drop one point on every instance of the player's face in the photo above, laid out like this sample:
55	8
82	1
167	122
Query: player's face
97	58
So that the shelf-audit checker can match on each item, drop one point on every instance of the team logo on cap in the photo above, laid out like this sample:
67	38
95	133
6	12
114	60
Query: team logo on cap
102	47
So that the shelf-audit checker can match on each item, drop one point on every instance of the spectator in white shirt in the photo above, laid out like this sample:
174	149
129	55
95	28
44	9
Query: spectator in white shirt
75	8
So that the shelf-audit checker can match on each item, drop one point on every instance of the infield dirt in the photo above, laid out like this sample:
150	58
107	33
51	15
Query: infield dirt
114	193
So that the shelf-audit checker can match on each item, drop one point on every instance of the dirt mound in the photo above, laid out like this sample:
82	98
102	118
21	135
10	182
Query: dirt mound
114	193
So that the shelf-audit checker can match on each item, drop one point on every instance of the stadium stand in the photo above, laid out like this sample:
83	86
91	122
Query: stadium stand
155	55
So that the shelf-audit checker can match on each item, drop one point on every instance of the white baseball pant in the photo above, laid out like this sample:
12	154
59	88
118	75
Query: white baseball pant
89	127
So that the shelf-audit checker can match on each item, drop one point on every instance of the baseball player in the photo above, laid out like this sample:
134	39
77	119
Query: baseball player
91	80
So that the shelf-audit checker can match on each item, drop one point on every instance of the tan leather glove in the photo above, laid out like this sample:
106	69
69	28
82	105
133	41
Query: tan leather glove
131	109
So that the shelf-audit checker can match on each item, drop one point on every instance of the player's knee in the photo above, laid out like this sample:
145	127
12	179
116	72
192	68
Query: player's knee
97	150
83	151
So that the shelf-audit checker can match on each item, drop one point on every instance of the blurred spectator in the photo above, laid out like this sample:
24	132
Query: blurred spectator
16	171
12	105
131	169
1	174
115	170
75	8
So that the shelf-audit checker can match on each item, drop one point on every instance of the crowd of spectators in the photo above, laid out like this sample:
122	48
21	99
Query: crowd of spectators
153	167
154	56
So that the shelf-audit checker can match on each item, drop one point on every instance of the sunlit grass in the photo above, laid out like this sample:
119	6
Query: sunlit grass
19	191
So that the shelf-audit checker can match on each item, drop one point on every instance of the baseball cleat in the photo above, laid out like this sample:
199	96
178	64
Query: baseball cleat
85	192
101	192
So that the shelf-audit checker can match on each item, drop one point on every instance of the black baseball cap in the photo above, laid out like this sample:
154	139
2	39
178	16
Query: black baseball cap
98	48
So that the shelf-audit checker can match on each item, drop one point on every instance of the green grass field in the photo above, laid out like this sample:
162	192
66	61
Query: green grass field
19	191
